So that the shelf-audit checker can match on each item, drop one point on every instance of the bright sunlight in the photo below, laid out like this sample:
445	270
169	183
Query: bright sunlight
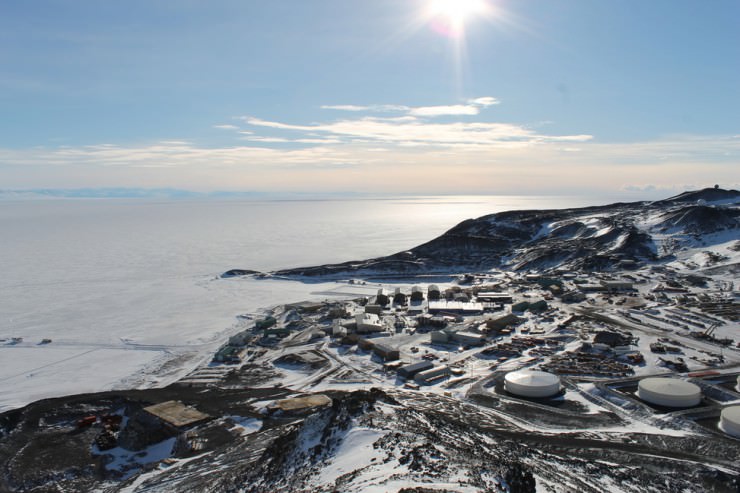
452	14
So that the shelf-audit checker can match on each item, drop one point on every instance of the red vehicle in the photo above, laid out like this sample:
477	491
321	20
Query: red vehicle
87	421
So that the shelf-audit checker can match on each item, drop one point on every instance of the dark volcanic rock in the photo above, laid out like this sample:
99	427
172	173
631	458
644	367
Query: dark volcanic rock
701	219
239	272
706	194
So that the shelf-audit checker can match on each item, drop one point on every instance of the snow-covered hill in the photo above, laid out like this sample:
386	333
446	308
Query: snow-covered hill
593	238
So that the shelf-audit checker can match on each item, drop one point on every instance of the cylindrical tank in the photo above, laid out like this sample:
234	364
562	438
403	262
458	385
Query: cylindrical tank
531	383
669	392
729	421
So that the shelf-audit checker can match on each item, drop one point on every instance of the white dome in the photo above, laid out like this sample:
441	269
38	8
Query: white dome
669	392
729	421
530	383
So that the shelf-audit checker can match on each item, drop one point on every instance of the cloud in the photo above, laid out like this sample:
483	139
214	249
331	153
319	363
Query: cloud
283	140
410	131
226	127
366	145
376	108
345	107
485	101
456	109
502	158
472	107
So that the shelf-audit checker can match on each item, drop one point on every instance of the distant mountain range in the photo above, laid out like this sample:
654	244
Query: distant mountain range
621	235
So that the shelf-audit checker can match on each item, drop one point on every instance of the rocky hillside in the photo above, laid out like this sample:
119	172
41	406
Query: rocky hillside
593	238
366	440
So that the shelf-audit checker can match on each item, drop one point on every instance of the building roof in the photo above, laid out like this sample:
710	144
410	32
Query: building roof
305	402
176	413
420	365
455	306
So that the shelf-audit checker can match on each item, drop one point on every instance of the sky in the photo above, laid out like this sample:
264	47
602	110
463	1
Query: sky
371	96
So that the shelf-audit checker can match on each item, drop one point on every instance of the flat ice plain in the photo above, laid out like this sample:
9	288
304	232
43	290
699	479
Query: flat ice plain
128	290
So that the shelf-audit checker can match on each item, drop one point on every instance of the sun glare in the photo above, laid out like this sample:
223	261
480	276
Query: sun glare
454	13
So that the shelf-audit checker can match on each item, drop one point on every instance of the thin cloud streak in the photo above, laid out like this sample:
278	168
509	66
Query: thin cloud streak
435	149
422	133
399	166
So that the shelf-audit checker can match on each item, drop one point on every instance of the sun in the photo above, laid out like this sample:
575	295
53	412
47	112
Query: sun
454	13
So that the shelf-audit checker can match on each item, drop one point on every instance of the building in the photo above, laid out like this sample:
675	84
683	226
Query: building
416	309
302	405
386	352
492	297
417	294
461	297
520	307
439	337
503	321
433	292
382	297
368	322
428	320
409	371
339	331
574	296
176	416
613	286
374	308
432	375
591	288
538	306
468	338
455	307
399	297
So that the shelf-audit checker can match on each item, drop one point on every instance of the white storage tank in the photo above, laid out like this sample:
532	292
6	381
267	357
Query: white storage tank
729	421
668	392
532	383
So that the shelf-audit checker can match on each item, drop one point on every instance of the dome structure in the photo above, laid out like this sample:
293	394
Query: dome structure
531	383
669	392
729	421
